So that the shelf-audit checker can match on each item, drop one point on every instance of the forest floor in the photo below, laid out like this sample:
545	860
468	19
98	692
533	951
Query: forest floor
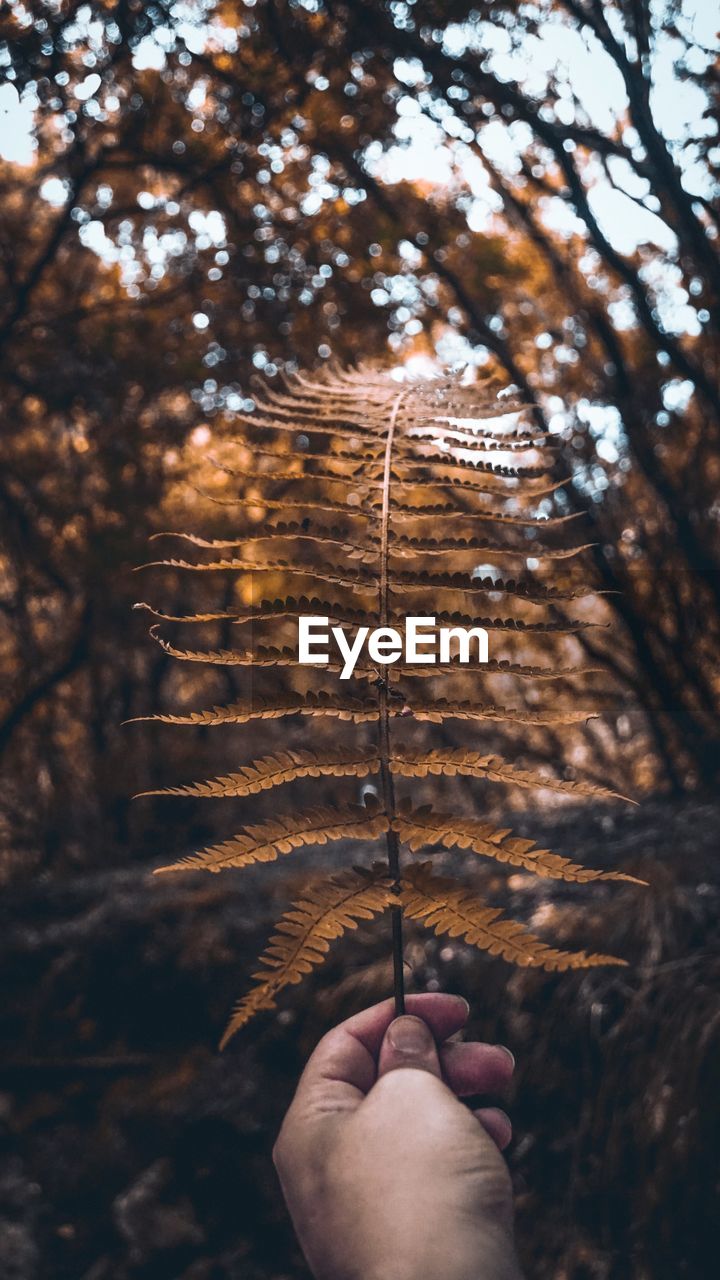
134	1151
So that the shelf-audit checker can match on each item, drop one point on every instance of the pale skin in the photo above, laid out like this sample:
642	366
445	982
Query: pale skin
386	1174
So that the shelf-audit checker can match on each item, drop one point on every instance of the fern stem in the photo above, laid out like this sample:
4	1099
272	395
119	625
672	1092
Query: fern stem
386	778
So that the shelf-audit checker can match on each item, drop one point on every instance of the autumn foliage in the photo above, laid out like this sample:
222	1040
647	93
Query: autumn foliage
207	199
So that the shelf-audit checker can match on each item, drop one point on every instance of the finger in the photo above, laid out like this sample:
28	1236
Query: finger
476	1068
344	1063
343	1068
409	1042
444	1014
497	1124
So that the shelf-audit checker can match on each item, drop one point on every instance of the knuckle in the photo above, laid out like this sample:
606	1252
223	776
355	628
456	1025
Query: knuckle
408	1085
279	1151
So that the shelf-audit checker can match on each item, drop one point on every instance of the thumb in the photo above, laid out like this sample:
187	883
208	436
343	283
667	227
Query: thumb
409	1042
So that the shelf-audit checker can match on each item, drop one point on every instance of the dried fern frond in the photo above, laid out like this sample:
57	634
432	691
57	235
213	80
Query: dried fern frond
401	498
304	934
440	710
274	771
269	656
282	532
325	702
267	840
326	572
422	828
450	762
445	907
321	703
288	766
401	546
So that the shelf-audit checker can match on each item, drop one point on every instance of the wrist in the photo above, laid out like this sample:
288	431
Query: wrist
486	1253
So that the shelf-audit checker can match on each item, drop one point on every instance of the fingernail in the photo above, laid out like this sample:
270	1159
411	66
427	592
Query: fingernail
504	1049
410	1036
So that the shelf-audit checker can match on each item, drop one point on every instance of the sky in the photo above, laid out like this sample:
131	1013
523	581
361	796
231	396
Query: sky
423	150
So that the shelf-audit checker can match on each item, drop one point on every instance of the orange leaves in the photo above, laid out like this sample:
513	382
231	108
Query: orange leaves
304	934
326	572
273	771
441	709
322	703
445	907
450	762
422	828
265	841
379	458
340	762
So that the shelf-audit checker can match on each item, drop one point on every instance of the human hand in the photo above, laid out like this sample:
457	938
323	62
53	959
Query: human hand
386	1174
